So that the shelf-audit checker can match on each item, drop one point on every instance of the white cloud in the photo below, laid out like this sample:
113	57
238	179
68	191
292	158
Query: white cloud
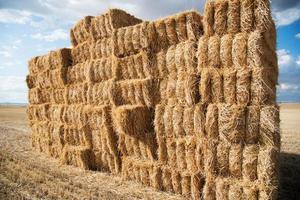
284	57
5	54
13	89
8	16
57	34
288	86
298	60
286	17
297	35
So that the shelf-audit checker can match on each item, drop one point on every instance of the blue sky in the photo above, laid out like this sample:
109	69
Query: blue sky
34	27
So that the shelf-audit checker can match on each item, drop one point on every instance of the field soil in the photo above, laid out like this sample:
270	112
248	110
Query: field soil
27	174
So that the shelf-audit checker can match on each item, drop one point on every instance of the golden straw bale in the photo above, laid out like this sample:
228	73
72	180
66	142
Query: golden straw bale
209	18
222	188
252	124
159	60
186	185
249	167
209	190
170	61
235	192
229	85
81	157
96	141
211	123
205	86
247	15
188	120
181	154
31	81
235	160
231	121
262	13
43	79
38	96
197	184
239	50
243	86
128	40
220	17
77	93
223	158
33	65
250	193
171	151
269	192
58	77
58	96
217	95
263	86
38	112
226	50
171	31
178	121
214	52
99	70
269	130
77	136
199	120
194	25
181	28
81	31
190	57
176	181
55	113
191	84
144	173
56	134
101	48
156	177
168	121
202	52
159	128
191	154
125	118
167	179
77	73
210	158
74	114
233	16
179	57
104	88
161	31
199	155
81	53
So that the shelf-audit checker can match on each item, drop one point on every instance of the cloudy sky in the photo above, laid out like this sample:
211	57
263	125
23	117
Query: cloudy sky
33	27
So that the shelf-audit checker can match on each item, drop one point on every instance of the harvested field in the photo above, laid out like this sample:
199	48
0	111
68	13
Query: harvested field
27	174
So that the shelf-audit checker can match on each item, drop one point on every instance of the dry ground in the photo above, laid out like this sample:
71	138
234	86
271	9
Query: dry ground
26	174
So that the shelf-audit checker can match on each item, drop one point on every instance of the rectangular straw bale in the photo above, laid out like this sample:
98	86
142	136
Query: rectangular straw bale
231	121
235	160
103	25
210	158
100	70
190	57
209	18
181	29
250	193
128	44
167	179
171	62
176	181
190	148
98	117
263	86
197	184
267	165
74	114
58	77
81	53
269	130
55	112
77	93
262	14
252	124
259	53
243	86
235	192
160	27
159	60
212	122
188	120
43	79
269	192
144	173
33	66
58	96
222	188
56	134
194	25
101	48
247	15
239	50
38	96
96	140
81	157
229	85
171	31
205	86
220	16
181	154
171	151
81	31
38	112
233	16
136	91
223	158
178	129
226	50
77	73
77	136
217	95
104	88
209	190
125	118
214	52
186	184
249	167
199	120
31	81
160	133
202	52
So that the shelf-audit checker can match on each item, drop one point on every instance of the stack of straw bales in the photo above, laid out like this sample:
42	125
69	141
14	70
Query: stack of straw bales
184	104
